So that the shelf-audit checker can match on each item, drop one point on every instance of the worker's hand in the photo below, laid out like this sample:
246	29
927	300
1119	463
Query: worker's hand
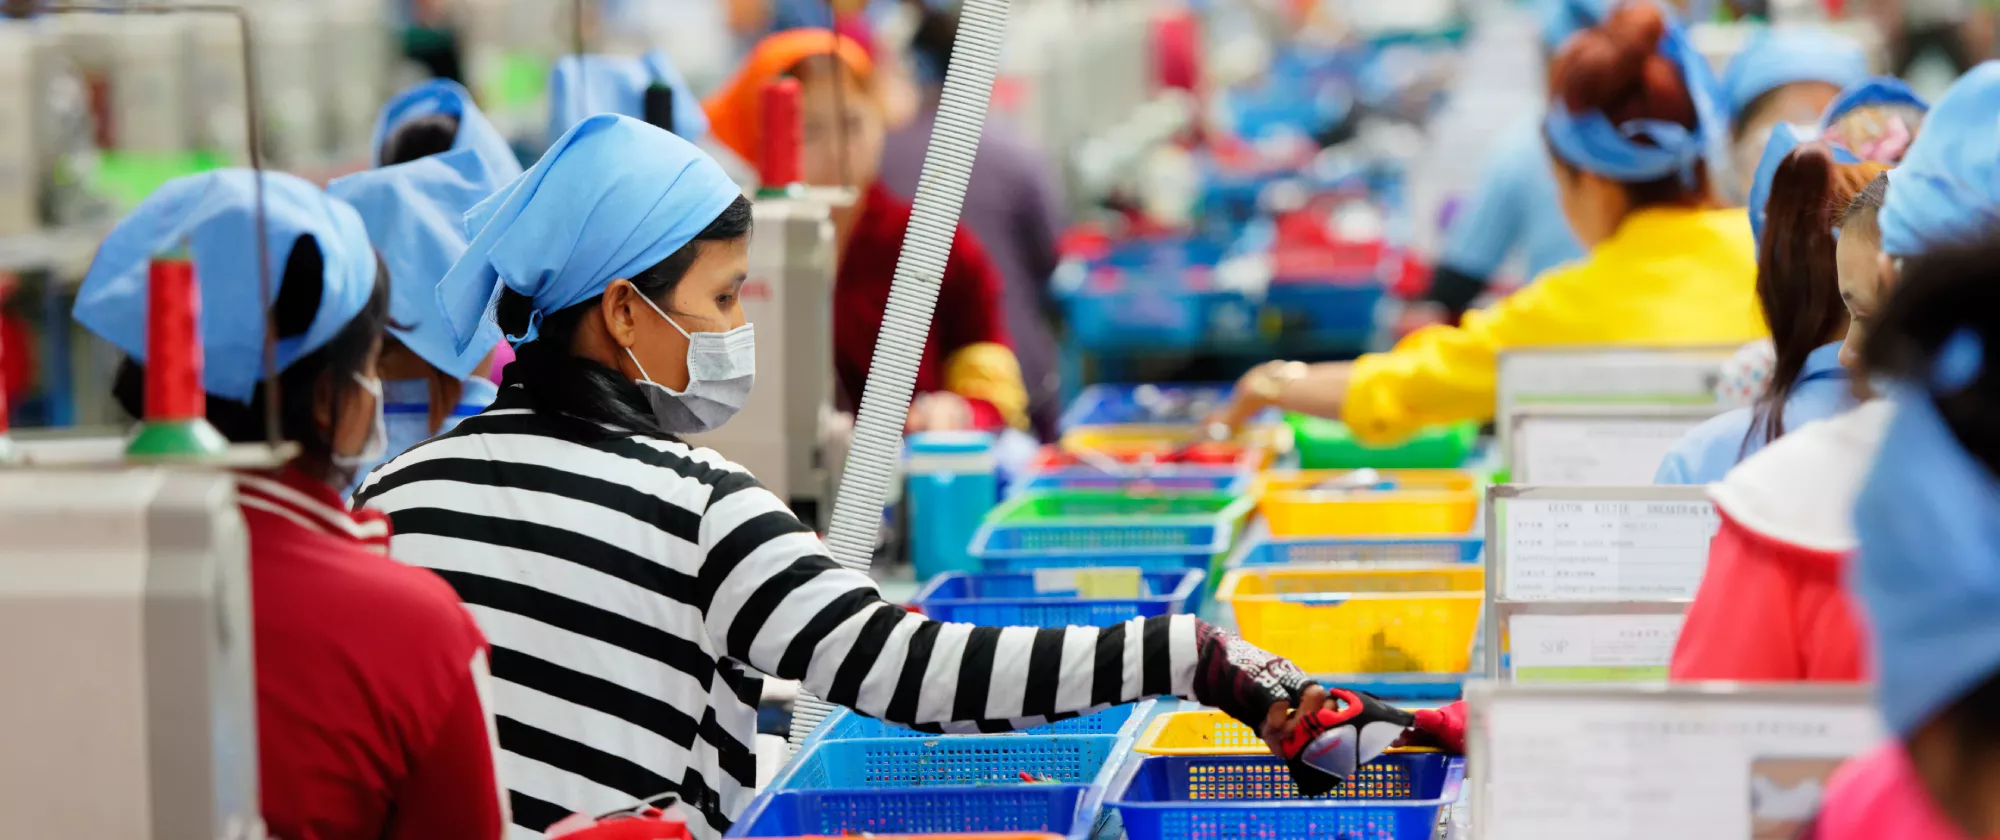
1253	393
1280	724
939	411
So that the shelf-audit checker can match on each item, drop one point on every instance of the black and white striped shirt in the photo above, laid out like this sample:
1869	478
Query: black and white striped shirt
626	583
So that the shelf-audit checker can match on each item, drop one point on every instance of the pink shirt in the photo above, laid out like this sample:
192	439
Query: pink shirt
1878	796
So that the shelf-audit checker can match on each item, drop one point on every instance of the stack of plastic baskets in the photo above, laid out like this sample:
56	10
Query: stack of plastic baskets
941	784
1052	598
1408	502
1070	528
1148	467
1416	620
1144	294
1364	550
1203	775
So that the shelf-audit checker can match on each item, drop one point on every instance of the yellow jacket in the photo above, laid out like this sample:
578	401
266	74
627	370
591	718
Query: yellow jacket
1667	276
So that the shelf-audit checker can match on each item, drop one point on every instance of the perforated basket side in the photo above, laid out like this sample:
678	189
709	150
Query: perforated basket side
834	813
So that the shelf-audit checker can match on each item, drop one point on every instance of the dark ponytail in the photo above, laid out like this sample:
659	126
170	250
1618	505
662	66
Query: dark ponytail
419	137
1798	283
558	382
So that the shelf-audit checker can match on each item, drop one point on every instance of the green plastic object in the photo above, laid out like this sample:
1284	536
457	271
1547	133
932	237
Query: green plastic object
1329	445
1073	504
128	177
174	440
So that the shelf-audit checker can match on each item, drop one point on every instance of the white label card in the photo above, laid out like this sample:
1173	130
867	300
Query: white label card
1055	580
1569	451
1605	550
1661	768
1592	641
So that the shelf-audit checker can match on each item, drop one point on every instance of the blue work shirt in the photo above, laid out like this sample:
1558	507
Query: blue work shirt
1516	207
406	411
1711	449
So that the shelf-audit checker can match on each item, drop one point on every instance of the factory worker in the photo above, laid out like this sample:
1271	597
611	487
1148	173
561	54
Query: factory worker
629	582
1013	205
437	116
1927	568
1785	75
1798	286
370	677
415	215
581	86
1776	566
1509	212
968	377
1629	126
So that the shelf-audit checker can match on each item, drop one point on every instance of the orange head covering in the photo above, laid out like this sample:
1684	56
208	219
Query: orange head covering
733	112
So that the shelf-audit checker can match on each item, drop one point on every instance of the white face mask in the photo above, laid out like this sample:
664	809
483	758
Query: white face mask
346	466
721	368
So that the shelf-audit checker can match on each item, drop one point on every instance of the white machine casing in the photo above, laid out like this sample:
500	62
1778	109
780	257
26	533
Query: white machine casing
128	710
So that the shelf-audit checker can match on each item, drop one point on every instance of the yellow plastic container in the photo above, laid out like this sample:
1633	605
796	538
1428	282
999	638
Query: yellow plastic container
1271	440
1413	619
1208	732
1422	502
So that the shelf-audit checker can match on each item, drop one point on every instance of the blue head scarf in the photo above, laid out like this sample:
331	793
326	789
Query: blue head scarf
1872	92
443	96
215	214
1928	567
581	86
1778	57
415	213
1590	142
610	199
1784	138
1948	186
1563	18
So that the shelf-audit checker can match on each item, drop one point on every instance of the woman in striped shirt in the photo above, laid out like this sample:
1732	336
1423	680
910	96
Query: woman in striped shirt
629	583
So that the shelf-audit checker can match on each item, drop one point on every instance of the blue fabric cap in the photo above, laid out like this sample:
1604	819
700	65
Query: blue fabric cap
415	213
1590	142
1948	186
1928	568
1778	57
443	96
1784	138
1563	18
612	197
215	214
1872	92
583	86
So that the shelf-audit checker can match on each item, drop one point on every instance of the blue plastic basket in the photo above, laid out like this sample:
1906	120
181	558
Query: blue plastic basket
1145	294
833	813
1012	599
846	725
1269	552
1115	404
1166	480
1012	540
1328	307
1239	797
949	761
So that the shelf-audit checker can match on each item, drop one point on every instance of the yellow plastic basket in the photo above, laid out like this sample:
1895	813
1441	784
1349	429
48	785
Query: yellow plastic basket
1418	619
1270	440
1423	502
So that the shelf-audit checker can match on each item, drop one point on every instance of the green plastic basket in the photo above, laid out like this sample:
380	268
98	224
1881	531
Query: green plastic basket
1068	528
1330	445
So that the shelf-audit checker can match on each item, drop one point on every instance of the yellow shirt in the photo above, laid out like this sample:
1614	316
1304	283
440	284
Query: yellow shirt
1667	276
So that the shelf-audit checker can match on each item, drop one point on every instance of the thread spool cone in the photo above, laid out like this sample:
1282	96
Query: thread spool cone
174	427
782	136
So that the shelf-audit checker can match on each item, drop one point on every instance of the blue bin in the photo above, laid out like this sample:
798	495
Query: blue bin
1227	797
952	484
1014	599
1329	307
1270	552
847	725
834	813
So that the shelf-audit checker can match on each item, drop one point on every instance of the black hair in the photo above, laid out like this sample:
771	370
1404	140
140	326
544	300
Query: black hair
1937	296
419	137
559	382
936	30
332	366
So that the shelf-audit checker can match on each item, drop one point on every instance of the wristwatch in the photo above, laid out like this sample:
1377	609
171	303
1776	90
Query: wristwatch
1270	379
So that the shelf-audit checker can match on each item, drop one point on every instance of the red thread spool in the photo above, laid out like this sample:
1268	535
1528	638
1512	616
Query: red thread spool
783	134
3	378
173	340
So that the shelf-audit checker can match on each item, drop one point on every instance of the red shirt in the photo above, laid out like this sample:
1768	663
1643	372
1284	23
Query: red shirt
968	305
370	720
1769	611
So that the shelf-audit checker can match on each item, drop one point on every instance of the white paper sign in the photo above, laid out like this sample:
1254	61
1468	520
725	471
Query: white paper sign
1553	377
1592	641
1605	550
1570	451
1660	768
